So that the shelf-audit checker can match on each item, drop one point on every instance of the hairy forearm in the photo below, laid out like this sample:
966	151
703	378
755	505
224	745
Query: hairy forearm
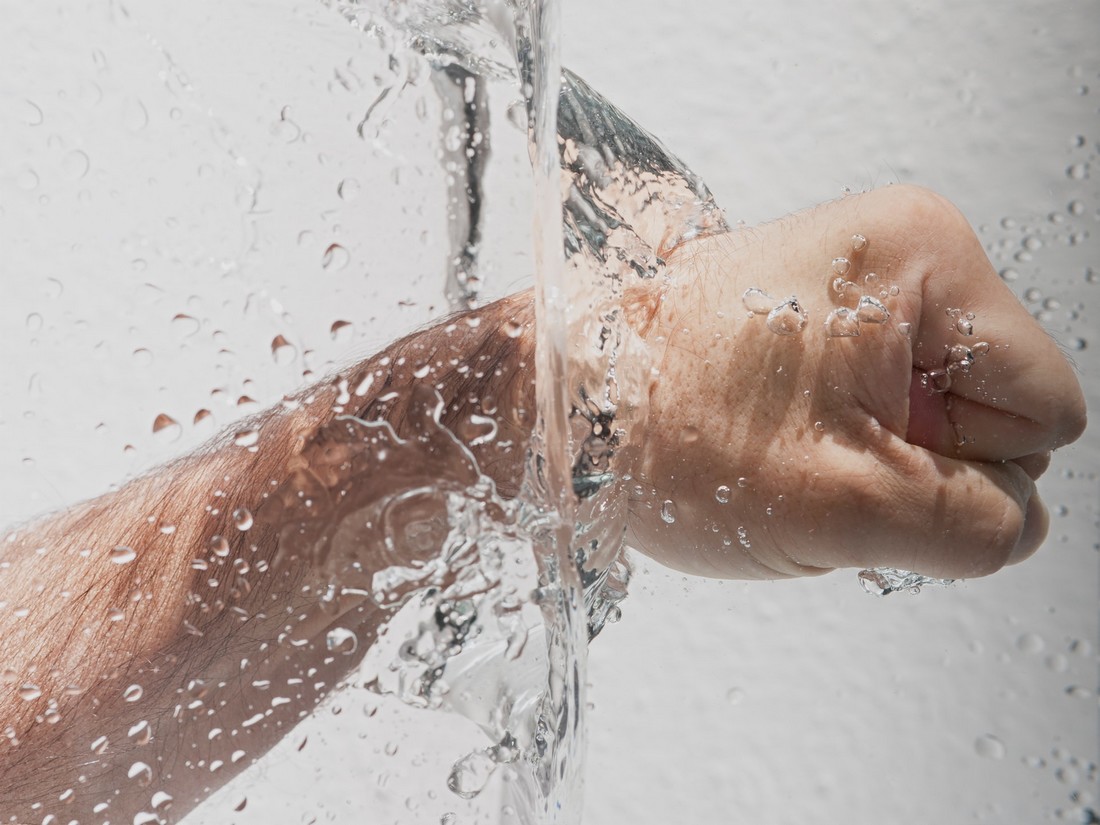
158	639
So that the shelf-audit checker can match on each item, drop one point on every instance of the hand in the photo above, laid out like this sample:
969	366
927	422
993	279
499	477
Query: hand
792	454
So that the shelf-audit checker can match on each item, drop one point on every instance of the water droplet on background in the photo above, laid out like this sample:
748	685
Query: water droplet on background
989	747
841	266
668	512
335	257
282	351
471	774
722	494
859	243
133	693
167	427
348	189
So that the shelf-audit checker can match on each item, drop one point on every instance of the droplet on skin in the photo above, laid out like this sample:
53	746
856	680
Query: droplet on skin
219	546
722	494
121	554
859	243
247	438
668	512
788	318
872	311
989	746
905	328
964	326
133	693
99	745
840	285
341	640
141	772
938	381
242	518
757	301
842	323
29	692
841	266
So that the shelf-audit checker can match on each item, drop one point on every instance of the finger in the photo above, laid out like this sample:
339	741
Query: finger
1022	396
921	511
956	426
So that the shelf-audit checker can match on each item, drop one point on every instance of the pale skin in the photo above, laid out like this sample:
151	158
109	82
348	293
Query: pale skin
846	460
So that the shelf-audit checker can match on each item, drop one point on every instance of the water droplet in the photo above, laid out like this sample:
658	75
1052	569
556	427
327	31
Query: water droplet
870	279
1008	274
840	285
242	518
735	696
937	380
30	112
872	311
338	329
75	164
819	426
722	494
788	318
668	512
140	772
219	546
450	818
341	640
348	189
122	554
167	426
282	351
140	732
757	301
1076	208
964	326
1078	171
513	329
29	692
99	745
335	257
905	328
136	116
743	538
742	482
240	806
160	799
841	266
471	774
842	323
133	693
247	438
989	746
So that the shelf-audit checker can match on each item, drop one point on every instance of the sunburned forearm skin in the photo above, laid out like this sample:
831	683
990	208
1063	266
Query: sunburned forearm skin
154	642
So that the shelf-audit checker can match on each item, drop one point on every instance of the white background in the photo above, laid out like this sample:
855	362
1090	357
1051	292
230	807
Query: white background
155	172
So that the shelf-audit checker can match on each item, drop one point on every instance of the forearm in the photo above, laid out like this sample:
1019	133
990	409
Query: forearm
189	583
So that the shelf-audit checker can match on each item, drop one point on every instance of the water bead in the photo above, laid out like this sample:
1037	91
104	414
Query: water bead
757	301
859	243
668	512
872	311
841	266
788	318
722	494
842	323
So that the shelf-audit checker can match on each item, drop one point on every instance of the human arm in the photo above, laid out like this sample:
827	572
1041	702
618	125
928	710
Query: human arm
880	483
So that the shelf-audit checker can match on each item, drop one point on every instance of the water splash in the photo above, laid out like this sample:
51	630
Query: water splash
882	581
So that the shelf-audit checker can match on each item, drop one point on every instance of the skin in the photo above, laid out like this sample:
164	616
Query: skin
881	482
